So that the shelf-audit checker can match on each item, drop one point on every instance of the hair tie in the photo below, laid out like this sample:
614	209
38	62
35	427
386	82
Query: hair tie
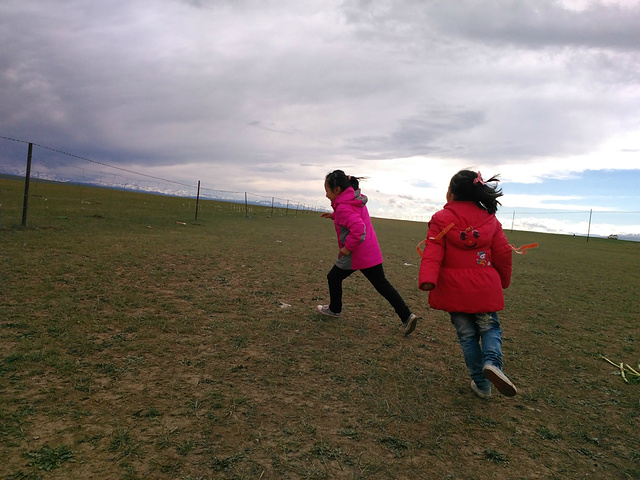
349	177
478	179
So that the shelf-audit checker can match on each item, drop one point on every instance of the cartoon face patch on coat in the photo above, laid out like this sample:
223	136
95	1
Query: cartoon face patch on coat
470	237
482	259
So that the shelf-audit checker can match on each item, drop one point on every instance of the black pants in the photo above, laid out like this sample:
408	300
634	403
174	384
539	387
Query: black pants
377	278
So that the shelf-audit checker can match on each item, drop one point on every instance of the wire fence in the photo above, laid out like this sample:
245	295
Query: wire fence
616	225
619	225
36	169
80	175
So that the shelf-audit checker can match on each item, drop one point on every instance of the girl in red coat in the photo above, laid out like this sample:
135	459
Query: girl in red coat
358	248
465	266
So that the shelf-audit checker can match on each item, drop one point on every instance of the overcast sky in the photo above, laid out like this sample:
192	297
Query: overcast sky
267	96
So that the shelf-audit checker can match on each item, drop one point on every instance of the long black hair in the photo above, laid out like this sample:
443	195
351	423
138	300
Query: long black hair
338	178
469	186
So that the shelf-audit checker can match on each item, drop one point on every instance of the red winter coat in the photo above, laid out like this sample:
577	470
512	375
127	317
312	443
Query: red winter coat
470	265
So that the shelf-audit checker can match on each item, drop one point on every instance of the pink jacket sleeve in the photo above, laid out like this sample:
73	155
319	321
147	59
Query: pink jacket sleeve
348	218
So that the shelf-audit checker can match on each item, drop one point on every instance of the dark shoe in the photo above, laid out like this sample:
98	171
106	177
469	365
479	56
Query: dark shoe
500	380
410	325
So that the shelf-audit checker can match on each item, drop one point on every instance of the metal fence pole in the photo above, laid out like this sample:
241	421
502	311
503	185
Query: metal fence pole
27	178
198	200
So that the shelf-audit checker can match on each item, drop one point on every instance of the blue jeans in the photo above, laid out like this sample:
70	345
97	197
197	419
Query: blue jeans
481	341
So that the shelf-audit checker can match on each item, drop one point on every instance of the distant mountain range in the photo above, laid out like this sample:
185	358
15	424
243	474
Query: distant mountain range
632	237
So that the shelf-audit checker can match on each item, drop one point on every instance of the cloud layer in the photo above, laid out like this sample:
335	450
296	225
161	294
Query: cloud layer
270	95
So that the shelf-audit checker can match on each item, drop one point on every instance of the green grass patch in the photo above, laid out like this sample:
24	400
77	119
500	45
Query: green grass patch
48	458
132	346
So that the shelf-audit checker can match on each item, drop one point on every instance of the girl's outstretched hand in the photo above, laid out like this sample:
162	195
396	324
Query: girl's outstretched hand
427	286
326	215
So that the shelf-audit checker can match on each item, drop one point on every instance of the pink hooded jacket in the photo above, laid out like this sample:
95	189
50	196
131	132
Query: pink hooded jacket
354	231
470	265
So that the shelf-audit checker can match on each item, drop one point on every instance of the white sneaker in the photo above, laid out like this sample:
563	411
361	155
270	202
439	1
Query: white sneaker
480	393
500	380
325	310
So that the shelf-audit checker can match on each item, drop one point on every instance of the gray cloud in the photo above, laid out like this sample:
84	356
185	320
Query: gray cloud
539	24
240	83
527	24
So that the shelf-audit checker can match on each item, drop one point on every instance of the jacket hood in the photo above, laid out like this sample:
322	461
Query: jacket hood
464	214
351	197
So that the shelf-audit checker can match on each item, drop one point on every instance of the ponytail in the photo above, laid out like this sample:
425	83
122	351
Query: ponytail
469	186
338	178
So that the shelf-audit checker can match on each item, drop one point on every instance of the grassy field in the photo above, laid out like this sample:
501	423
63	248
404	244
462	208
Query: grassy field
136	347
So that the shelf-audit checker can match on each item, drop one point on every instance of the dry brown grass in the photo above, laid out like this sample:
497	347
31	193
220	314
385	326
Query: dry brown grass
194	352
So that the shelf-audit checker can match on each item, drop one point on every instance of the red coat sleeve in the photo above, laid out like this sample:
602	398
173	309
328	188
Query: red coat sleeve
431	256
502	257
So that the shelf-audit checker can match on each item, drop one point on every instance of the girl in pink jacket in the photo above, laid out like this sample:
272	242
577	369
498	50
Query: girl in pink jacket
358	248
465	266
